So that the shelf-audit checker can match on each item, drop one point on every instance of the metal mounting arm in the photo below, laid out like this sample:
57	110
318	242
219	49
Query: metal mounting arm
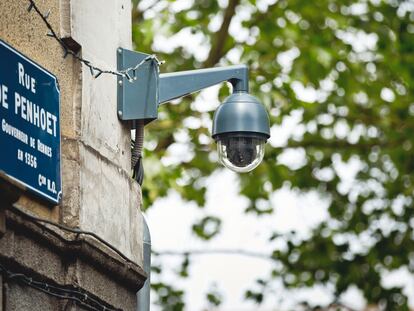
177	84
144	88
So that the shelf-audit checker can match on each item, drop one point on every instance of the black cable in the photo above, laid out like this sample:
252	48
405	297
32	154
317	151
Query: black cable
66	297
92	68
138	171
38	285
73	230
60	292
66	290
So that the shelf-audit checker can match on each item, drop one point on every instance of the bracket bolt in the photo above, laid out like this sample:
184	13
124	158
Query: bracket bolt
120	82
119	113
119	51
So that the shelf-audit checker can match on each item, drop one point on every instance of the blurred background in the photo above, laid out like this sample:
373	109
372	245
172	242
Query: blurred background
326	221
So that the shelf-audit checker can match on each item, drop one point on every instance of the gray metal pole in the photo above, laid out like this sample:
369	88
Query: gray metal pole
177	84
143	295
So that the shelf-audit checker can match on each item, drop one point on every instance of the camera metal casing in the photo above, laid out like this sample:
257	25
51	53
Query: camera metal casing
241	112
241	128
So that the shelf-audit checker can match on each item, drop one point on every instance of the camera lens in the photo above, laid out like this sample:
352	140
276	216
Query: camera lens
241	152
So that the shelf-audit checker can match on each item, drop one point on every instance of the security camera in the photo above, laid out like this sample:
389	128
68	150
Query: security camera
240	126
241	129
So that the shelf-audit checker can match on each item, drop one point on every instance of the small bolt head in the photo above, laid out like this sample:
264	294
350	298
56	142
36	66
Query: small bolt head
120	82
119	113
119	51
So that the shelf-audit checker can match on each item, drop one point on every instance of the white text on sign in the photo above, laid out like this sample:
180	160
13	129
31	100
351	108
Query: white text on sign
26	108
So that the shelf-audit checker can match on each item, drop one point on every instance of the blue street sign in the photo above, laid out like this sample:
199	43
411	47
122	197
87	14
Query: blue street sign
30	124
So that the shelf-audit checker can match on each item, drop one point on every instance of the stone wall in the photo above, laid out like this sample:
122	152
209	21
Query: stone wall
98	194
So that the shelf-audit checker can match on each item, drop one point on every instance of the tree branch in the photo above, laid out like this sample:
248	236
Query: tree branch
136	14
335	306
340	144
163	144
219	40
198	252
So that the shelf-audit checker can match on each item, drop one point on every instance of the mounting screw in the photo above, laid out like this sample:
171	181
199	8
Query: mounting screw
120	51
120	113
120	82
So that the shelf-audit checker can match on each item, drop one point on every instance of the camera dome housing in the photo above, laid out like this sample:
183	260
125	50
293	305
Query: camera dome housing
241	129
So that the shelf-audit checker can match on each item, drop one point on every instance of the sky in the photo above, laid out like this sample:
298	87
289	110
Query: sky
231	274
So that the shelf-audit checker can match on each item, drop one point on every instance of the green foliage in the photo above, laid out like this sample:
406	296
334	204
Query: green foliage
356	59
207	228
214	297
170	298
257	295
183	272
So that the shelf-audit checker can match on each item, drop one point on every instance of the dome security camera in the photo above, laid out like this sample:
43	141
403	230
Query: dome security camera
241	129
240	126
